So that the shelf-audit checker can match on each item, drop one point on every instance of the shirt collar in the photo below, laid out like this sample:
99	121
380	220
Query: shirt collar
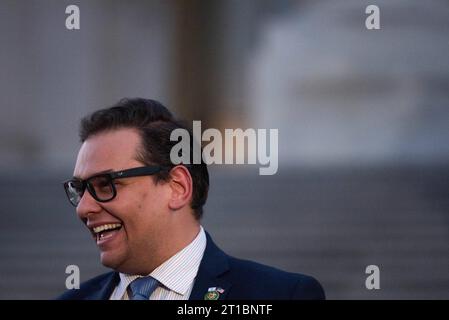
185	262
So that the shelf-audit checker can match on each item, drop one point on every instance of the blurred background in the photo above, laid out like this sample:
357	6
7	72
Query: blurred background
363	119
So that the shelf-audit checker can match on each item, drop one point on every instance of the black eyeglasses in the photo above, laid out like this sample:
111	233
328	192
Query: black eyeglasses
101	186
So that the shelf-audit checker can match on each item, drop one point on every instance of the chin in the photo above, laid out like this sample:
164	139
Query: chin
111	260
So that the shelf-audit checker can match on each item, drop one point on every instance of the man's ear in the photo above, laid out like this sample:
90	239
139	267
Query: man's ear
181	186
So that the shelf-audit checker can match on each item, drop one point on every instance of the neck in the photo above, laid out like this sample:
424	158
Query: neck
185	234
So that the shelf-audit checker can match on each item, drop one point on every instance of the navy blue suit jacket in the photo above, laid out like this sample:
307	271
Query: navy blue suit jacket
239	279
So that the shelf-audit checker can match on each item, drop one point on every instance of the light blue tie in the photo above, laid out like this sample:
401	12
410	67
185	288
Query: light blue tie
142	288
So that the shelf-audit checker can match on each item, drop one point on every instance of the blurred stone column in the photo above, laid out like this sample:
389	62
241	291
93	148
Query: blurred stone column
212	42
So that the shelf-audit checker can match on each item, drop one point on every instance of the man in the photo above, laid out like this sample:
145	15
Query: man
144	214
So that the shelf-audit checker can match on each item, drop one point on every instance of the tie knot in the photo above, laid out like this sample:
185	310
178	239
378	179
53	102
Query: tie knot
142	288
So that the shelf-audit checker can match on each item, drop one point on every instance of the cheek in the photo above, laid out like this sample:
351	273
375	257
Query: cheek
147	206
154	196
140	206
151	206
154	213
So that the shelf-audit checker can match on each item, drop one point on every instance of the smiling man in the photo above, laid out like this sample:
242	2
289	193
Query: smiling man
144	214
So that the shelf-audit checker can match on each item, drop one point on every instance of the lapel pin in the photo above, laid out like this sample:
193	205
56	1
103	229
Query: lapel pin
213	293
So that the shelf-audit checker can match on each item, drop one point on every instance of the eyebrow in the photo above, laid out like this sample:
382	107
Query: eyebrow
95	174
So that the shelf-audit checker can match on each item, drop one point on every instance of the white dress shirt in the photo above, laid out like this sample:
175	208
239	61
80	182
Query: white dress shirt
176	276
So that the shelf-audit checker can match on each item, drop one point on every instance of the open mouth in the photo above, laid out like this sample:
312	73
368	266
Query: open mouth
105	231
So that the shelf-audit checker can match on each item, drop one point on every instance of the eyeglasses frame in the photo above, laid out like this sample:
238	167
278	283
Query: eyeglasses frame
127	173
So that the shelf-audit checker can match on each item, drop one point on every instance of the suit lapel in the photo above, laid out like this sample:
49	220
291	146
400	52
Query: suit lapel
104	289
213	265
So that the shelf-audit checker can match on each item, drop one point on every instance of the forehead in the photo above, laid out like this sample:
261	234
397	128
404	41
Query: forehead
115	150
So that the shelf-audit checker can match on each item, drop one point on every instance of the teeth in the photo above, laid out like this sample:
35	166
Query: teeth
106	227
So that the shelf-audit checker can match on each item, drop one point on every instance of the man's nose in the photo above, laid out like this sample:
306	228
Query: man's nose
87	206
